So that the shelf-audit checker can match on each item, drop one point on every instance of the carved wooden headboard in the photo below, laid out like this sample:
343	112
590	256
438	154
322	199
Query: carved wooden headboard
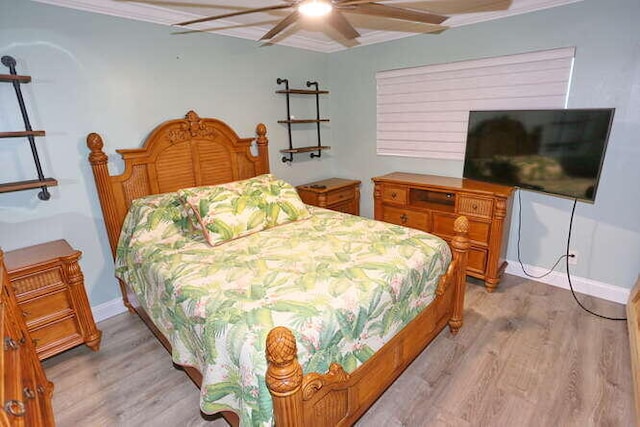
177	154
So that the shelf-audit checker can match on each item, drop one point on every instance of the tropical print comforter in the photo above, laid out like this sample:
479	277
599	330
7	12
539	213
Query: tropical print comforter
343	284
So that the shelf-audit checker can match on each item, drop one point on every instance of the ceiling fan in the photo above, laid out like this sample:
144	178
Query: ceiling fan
332	12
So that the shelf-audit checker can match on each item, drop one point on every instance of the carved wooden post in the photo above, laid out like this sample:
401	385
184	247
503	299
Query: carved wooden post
495	269
377	201
284	378
99	160
262	142
75	278
460	248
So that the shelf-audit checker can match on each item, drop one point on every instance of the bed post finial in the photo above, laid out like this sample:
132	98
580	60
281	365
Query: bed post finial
460	247
95	144
284	377
263	142
261	131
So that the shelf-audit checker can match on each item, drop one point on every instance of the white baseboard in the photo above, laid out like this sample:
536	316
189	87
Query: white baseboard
582	285
108	309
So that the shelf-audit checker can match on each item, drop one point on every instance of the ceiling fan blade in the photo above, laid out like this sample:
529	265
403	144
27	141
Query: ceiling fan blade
340	23
288	20
352	2
376	9
228	15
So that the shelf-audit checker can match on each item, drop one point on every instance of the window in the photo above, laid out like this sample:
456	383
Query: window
423	111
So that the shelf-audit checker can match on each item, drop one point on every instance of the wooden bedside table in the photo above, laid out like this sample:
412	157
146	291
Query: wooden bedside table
342	195
49	287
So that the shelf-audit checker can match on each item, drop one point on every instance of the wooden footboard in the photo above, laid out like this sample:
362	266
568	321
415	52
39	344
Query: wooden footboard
339	399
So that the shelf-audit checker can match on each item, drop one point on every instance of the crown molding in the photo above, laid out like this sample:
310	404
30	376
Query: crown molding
165	16
518	7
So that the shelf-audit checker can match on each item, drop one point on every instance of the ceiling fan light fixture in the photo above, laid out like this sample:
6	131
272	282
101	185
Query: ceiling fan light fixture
315	8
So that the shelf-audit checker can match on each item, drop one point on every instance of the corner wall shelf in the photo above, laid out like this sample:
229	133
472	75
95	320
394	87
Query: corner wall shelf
289	121
42	182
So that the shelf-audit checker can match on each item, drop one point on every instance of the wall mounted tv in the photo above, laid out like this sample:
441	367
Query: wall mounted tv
554	151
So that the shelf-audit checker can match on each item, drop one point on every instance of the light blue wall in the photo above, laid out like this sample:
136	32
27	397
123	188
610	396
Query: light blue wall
121	78
606	74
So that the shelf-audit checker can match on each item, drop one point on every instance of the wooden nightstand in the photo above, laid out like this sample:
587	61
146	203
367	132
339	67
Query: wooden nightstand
342	195
49	287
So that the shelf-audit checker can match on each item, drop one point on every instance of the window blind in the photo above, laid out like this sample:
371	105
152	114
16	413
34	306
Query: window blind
423	111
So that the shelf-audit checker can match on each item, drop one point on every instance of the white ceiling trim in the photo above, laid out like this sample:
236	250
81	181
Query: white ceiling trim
165	16
517	8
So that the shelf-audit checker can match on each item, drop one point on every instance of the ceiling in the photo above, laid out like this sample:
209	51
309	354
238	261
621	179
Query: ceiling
311	35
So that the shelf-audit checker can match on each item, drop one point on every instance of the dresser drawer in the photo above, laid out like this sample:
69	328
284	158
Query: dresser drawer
10	360
475	206
341	195
33	400
49	339
408	218
33	282
45	306
344	207
443	226
477	260
394	194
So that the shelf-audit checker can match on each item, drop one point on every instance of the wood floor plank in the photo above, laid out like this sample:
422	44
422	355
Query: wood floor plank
527	355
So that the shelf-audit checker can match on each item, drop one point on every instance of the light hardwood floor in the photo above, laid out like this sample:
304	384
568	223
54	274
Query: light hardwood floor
526	356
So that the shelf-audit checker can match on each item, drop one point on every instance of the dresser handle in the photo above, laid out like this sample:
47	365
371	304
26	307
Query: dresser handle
404	218
15	408
28	393
474	207
10	344
394	195
40	389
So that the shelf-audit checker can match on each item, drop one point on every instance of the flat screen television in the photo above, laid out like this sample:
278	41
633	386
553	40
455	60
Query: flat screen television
553	151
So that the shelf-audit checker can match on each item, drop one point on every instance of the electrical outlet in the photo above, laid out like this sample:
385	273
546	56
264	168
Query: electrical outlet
573	260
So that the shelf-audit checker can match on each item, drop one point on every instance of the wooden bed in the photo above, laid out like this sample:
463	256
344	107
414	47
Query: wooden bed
198	151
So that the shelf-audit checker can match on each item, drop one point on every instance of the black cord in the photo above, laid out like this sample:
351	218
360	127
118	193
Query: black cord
566	256
569	274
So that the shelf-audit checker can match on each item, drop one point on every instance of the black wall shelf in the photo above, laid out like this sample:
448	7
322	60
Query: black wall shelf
43	183
315	150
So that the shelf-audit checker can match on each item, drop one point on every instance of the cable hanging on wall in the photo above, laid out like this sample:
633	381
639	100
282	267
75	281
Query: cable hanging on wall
566	256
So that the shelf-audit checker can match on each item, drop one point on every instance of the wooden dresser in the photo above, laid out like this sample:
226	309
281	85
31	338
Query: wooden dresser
25	392
49	287
432	203
338	194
